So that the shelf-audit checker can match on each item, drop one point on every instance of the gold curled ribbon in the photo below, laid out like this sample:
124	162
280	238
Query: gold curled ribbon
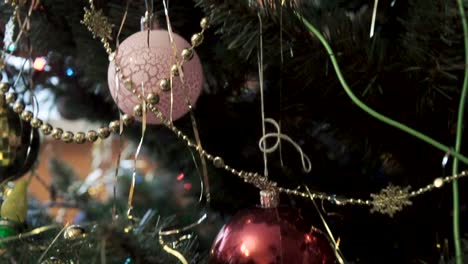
137	153
174	252
206	182
336	248
119	156
177	231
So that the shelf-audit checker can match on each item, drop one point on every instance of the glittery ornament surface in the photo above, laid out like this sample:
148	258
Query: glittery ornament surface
264	236
97	23
148	65
390	200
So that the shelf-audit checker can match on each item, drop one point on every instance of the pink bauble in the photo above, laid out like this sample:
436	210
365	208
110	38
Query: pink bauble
148	65
273	235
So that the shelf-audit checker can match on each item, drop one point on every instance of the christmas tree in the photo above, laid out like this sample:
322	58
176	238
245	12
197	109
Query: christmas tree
233	131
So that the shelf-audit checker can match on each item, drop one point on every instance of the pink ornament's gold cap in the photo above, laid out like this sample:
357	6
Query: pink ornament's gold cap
269	198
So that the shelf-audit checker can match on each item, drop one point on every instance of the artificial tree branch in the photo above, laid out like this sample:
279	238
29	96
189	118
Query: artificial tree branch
371	111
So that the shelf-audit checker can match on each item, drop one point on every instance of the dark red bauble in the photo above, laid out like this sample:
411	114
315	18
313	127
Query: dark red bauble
271	236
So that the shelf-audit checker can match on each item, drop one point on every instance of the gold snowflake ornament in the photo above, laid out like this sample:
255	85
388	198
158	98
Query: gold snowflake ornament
390	200
97	23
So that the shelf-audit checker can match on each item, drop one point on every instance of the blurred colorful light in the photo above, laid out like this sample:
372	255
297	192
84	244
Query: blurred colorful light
39	63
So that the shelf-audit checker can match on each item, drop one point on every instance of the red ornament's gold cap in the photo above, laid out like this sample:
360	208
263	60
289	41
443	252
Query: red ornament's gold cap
269	198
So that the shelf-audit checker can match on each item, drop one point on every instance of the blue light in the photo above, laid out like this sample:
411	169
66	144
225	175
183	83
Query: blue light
70	72
11	47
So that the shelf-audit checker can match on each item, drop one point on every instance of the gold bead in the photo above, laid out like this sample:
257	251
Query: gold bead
187	54
80	138
196	39
204	23
218	162
46	129
127	119
18	107
438	182
26	115
74	232
92	136
128	84
36	122
138	110
4	87
103	132
10	98
2	63
112	56
175	70
67	137
57	133
165	85
114	126
152	98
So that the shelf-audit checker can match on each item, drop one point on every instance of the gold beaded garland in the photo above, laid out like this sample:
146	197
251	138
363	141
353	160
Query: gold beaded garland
175	70
196	39
57	133
114	126
103	132
46	129
67	136
165	85
187	54
204	23
4	87
138	110
10	98
152	98
218	162
128	84
36	122
92	136
127	119
79	138
18	107
26	115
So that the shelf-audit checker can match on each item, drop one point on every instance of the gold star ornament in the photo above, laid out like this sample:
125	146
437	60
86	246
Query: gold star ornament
97	23
390	200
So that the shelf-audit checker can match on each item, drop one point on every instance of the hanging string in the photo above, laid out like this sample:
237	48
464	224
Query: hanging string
374	16
306	163
149	19
281	81
262	100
